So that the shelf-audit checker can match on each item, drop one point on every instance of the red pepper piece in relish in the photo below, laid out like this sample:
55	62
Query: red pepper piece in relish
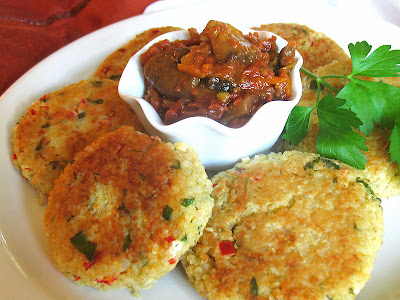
172	261
227	247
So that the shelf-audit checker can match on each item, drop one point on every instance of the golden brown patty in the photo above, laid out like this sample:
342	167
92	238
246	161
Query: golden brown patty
60	124
125	211
113	66
315	47
381	173
287	226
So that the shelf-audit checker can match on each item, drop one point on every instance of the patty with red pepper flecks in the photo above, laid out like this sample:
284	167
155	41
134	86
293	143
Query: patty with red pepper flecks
125	211
60	124
287	226
113	66
315	47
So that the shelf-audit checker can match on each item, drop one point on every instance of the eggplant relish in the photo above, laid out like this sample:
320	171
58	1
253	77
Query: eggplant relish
219	73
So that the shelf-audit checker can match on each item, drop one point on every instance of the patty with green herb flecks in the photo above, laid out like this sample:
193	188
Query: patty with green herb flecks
287	226
60	124
125	211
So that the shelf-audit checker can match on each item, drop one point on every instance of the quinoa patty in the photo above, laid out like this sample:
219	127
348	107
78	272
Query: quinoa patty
125	211
60	124
287	226
315	47
380	172
113	66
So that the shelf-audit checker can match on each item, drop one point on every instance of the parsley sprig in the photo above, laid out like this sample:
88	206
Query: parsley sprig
355	109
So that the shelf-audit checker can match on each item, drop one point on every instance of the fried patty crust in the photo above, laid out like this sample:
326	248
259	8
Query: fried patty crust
113	66
315	47
287	226
60	124
126	210
381	173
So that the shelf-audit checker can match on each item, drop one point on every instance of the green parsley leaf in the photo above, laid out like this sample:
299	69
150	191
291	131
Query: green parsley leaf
372	102
358	53
366	103
382	62
97	83
254	286
297	124
336	138
167	213
176	165
114	77
331	111
394	147
126	243
311	164
39	146
391	105
368	187
83	245
123	208
367	110
142	176
98	101
187	201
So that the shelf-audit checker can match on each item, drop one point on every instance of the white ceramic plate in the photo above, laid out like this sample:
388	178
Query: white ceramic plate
26	271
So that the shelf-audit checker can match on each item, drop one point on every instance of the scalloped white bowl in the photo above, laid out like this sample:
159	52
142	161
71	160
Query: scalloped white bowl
218	146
